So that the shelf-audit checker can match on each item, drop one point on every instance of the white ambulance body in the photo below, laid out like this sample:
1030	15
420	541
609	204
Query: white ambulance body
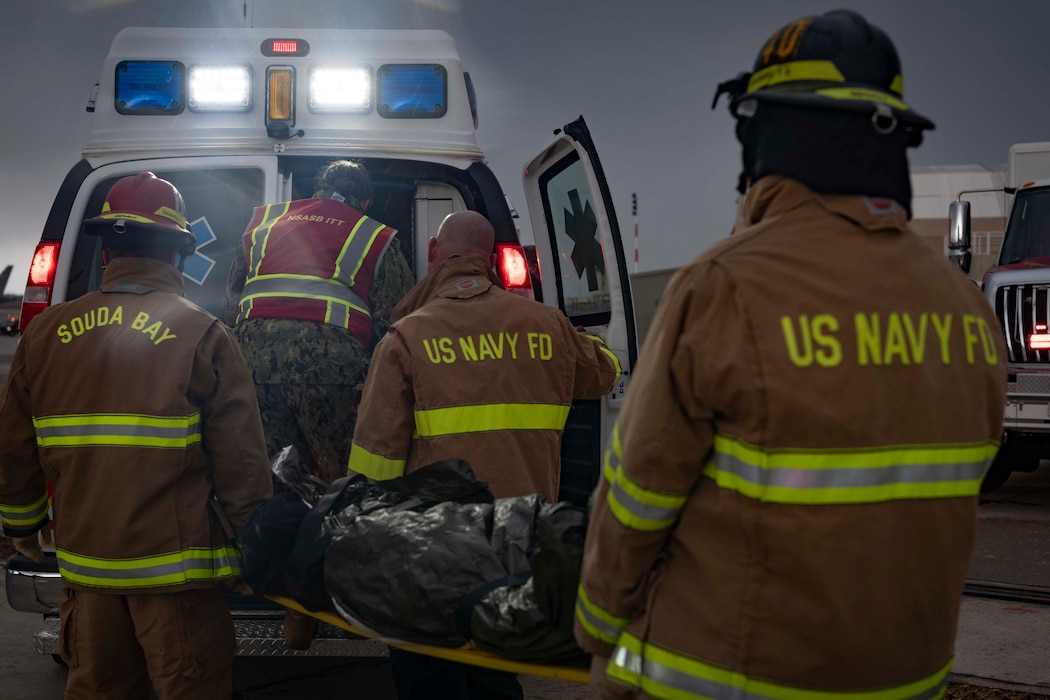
237	118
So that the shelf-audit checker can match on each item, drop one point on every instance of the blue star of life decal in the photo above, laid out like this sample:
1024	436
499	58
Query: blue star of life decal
198	266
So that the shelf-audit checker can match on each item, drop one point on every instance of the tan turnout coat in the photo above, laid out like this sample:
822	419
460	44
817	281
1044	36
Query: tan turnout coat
789	502
473	372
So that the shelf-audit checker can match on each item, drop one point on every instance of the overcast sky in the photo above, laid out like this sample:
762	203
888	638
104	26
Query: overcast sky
641	72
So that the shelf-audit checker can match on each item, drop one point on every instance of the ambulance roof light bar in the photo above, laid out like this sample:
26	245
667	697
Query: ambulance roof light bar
340	89
220	88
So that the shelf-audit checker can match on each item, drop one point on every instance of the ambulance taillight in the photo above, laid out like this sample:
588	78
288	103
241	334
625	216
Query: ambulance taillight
41	282
513	269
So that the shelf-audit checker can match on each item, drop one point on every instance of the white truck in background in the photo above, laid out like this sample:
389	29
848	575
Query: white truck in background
1018	288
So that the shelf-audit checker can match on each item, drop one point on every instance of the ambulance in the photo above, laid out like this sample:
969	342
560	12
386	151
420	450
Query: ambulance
237	118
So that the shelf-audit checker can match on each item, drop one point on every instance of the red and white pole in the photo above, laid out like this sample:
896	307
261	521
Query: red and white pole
634	213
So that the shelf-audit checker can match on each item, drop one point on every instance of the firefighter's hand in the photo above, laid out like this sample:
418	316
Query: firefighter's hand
29	547
237	585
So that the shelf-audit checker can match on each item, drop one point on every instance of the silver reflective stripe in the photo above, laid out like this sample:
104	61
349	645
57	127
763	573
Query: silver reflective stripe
304	288
355	249
596	621
633	505
645	673
24	516
184	567
849	477
639	509
124	430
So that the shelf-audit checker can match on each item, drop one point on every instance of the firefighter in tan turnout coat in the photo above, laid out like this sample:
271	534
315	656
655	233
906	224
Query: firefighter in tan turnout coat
789	503
470	369
138	407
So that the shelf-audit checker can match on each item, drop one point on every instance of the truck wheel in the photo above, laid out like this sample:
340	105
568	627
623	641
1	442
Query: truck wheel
1008	461
996	477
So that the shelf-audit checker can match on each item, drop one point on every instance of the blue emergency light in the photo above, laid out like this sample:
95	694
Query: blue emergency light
150	87
412	91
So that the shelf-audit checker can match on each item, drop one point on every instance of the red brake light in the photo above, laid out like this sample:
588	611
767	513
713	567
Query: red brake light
513	267
41	282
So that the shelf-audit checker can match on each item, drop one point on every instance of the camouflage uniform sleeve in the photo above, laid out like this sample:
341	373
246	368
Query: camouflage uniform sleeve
234	286
393	280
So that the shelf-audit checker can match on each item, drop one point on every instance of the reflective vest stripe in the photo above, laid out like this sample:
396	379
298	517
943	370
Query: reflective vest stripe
355	249
193	564
335	292
24	517
118	429
666	674
837	476
373	465
632	504
303	287
598	623
271	216
438	422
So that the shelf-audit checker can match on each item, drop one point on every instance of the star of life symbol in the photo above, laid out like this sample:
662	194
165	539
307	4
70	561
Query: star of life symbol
198	266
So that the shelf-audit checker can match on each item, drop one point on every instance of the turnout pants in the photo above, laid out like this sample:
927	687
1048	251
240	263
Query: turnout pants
118	646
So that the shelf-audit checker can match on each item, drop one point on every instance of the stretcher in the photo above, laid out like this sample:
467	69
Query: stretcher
468	654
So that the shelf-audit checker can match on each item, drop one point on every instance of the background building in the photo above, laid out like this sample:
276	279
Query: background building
934	187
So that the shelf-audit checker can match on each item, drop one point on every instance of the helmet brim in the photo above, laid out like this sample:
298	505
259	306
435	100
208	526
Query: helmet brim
837	96
137	221
139	232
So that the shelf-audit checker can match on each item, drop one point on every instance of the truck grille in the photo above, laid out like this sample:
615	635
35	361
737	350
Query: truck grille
1020	308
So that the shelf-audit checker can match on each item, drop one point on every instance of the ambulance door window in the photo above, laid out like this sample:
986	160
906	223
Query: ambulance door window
578	253
219	205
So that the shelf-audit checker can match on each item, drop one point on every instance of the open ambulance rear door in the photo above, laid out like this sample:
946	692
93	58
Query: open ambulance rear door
584	273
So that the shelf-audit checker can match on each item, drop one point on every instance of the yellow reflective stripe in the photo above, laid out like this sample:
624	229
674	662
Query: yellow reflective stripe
868	475
24	517
455	420
191	564
633	505
598	623
360	251
795	71
856	93
374	466
665	674
897	85
604	348
259	246
117	429
304	287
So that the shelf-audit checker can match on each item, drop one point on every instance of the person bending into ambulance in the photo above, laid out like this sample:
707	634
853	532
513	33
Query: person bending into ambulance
789	501
311	290
470	371
138	407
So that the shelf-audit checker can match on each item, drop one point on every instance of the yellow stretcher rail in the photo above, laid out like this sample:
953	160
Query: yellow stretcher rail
468	654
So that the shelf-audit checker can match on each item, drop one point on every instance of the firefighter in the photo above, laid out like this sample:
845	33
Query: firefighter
310	292
789	499
138	408
473	372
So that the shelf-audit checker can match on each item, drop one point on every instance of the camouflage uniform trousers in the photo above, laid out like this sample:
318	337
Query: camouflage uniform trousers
308	377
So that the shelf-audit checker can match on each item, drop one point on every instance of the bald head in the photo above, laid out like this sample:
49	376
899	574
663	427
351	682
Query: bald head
466	234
